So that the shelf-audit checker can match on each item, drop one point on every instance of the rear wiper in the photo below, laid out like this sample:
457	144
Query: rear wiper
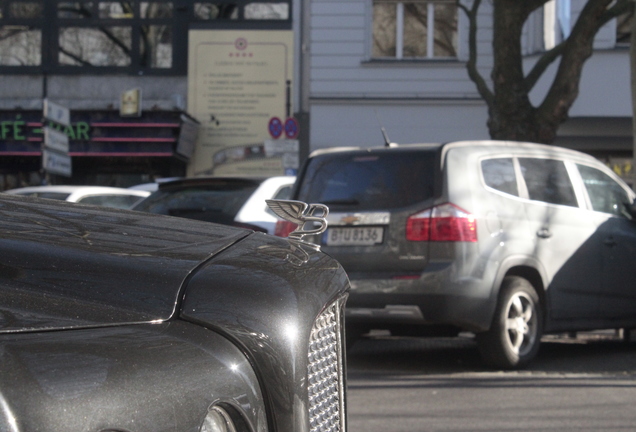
342	202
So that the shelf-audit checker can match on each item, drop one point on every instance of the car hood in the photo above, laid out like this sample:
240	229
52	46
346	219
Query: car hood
67	266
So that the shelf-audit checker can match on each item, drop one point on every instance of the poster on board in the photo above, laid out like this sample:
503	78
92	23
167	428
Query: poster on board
240	90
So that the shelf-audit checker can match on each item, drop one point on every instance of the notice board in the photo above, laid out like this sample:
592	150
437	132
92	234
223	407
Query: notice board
240	90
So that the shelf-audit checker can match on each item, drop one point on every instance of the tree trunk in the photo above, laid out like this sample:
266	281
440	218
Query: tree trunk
511	113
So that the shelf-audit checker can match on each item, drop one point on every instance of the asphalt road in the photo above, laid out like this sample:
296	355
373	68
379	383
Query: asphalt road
409	384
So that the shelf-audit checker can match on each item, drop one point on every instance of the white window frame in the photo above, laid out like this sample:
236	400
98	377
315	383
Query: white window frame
556	22
399	29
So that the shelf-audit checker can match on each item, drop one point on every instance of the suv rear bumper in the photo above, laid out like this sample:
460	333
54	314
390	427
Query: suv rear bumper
381	303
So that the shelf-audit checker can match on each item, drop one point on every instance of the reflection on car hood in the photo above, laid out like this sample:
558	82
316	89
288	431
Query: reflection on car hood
68	266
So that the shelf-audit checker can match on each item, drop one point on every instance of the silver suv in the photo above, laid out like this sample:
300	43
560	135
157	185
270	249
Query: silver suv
504	239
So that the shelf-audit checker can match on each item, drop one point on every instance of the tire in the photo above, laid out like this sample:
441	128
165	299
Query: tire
515	333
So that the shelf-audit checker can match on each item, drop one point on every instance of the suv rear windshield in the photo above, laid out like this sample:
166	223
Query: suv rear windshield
370	180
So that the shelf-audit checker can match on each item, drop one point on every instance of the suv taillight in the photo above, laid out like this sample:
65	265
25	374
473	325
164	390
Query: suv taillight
283	228
445	222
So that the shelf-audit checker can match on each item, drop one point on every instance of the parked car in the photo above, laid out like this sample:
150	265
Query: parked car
95	195
507	240
237	201
152	186
114	320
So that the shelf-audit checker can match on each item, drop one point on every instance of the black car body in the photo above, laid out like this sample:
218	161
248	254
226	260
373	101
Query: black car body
113	320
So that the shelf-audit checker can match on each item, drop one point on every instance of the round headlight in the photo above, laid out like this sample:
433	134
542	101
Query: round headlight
217	420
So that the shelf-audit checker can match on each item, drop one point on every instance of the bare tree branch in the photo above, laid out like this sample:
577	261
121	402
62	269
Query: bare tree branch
578	48
542	64
8	34
619	8
532	5
115	40
74	57
471	65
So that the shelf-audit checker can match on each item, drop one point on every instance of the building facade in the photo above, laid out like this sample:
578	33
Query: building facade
99	59
359	66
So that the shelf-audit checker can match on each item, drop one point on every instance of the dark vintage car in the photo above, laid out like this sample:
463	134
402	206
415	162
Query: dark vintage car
121	321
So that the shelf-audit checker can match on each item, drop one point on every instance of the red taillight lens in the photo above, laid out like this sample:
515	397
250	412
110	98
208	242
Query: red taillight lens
418	226
445	222
283	228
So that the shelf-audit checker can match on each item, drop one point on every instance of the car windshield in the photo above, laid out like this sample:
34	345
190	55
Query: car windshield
369	180
218	202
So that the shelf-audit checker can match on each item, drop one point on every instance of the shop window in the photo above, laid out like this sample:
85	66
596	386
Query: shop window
77	10
107	36
415	29
273	11
156	46
156	10
116	10
213	11
20	46
26	10
107	46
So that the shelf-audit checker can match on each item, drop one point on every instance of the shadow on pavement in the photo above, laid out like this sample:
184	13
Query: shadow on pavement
586	353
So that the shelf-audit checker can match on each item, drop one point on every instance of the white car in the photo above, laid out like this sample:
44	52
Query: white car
95	195
152	186
237	201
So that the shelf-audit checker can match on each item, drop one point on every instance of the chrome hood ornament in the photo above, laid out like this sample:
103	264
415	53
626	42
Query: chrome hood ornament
300	213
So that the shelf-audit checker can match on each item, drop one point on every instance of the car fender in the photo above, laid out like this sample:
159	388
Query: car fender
266	283
518	265
144	377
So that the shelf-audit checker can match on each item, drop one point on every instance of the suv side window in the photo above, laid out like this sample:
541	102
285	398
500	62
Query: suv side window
499	174
547	180
606	195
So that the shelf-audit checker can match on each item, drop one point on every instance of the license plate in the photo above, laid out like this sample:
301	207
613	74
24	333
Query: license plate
353	236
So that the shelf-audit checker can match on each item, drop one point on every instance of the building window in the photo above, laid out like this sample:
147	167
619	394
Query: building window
251	11
20	46
264	11
216	11
107	46
123	34
415	29
556	22
105	36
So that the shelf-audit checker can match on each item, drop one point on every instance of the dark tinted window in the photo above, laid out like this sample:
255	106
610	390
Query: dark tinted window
218	202
499	174
606	195
116	201
50	195
547	180
365	181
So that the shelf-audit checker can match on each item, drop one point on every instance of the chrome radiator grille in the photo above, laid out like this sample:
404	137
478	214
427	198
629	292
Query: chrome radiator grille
325	373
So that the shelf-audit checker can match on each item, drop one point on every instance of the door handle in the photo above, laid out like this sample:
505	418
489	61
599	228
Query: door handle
609	241
544	233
